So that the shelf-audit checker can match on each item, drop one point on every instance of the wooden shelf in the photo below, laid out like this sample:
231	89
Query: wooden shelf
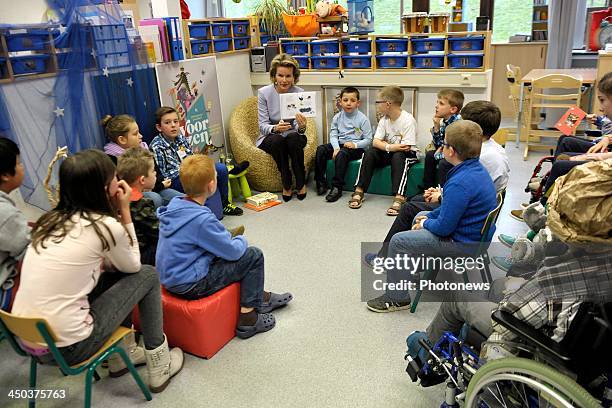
210	37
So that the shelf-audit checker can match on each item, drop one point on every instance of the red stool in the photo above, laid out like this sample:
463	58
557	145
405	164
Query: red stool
200	327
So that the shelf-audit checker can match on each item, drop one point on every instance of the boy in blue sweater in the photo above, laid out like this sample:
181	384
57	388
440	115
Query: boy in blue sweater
197	256
468	197
349	136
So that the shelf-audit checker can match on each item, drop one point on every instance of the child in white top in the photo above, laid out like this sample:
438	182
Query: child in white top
63	281
394	143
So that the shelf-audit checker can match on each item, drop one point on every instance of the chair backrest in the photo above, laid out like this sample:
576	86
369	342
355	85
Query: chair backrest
27	328
492	216
244	120
556	81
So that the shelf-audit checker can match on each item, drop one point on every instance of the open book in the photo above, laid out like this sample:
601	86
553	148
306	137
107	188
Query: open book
298	102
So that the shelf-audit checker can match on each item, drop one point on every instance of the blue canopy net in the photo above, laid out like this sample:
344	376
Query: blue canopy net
67	74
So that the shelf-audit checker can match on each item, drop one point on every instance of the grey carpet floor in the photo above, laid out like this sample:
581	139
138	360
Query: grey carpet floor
327	349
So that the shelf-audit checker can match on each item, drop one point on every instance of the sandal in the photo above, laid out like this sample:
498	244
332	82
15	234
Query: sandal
394	210
275	302
355	203
265	322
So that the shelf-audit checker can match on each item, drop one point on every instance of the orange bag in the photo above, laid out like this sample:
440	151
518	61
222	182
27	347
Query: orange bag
301	25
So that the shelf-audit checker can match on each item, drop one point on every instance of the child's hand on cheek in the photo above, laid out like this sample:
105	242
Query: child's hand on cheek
123	194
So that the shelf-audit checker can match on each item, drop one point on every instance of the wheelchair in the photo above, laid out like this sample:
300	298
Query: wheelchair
545	373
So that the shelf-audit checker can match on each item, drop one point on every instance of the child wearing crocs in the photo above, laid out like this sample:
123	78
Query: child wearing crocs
197	256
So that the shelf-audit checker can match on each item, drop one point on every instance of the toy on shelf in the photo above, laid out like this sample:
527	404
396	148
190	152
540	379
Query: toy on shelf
361	16
425	23
332	19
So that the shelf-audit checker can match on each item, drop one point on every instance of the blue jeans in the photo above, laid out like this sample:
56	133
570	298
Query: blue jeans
162	197
111	304
414	243
248	270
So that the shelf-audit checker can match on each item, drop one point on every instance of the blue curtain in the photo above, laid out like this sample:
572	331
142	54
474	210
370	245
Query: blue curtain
102	70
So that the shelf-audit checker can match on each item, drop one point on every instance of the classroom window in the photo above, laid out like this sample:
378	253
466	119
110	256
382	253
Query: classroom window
511	17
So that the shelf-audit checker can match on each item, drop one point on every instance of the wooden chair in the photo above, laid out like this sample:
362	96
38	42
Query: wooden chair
515	77
37	331
483	246
543	93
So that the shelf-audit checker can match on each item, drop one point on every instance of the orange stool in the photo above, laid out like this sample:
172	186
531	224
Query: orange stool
200	327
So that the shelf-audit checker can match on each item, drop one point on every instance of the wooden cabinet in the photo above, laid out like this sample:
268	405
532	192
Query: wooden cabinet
527	56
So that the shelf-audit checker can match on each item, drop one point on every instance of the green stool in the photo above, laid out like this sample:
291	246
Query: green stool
381	180
238	185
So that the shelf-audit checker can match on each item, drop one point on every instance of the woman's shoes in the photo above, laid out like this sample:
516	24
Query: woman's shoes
287	197
301	196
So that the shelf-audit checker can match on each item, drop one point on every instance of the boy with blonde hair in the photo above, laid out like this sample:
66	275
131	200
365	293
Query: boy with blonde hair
137	167
448	106
197	256
393	144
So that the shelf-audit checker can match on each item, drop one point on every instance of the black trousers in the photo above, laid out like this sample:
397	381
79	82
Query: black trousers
429	173
344	156
284	148
403	221
572	144
400	165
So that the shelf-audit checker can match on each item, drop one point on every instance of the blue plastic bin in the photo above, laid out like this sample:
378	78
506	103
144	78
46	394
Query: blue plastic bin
241	28
302	60
200	47
357	61
360	46
325	47
30	64
361	16
109	31
392	45
222	45
474	43
427	61
33	40
77	34
467	60
113	60
392	61
295	47
423	45
264	39
199	31
109	46
221	29
325	62
67	59
241	43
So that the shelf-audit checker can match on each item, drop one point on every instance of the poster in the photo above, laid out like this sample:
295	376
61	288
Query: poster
191	87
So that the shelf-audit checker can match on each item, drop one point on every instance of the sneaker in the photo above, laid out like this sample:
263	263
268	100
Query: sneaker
384	304
502	262
369	259
517	215
231	209
239	167
507	240
239	230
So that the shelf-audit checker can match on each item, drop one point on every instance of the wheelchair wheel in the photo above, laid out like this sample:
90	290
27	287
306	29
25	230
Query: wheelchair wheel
522	383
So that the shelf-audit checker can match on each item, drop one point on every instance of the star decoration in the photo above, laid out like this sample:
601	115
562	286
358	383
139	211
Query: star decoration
62	29
129	81
58	112
145	104
105	71
93	53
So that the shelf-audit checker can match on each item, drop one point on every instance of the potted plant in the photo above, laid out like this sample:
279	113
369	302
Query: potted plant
270	13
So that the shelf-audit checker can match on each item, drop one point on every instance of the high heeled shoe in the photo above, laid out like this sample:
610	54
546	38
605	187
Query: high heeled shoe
287	197
301	196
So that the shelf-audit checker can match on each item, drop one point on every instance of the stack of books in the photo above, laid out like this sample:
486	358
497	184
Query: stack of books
262	201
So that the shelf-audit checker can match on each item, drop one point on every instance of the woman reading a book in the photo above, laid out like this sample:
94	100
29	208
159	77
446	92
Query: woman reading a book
283	139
